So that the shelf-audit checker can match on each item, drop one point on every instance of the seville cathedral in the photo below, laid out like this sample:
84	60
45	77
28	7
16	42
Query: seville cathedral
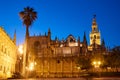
51	58
55	58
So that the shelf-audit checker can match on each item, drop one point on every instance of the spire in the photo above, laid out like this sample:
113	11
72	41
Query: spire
49	30
79	39
94	24
56	38
103	43
49	35
95	36
94	20
14	38
45	33
84	39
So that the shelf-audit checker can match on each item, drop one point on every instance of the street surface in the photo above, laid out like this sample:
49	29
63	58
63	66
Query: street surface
107	78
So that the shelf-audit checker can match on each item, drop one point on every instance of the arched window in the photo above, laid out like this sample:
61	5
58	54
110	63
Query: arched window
94	36
71	40
36	44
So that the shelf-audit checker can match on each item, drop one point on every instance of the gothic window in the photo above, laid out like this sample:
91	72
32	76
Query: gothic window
94	36
37	45
71	40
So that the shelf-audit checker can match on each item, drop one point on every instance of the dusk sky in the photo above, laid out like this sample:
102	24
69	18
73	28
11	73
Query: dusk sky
63	17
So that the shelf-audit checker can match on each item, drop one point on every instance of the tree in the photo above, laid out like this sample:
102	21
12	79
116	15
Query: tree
28	16
115	57
84	63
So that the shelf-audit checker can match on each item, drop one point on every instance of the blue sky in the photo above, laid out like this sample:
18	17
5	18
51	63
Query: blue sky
64	17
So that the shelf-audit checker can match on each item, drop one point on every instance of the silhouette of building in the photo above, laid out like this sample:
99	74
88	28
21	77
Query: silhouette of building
7	54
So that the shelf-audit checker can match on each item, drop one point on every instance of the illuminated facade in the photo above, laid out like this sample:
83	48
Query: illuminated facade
95	38
54	58
95	33
57	58
7	54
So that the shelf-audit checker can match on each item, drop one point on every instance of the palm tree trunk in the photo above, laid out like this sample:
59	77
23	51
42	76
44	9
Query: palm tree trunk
27	32
26	52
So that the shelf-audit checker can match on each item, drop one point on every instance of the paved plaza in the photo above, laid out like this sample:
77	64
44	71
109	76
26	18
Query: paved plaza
106	78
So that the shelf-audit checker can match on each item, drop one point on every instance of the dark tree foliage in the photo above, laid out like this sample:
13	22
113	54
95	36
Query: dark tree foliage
113	59
84	63
28	15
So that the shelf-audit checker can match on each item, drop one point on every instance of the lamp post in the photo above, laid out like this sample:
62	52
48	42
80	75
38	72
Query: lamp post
96	64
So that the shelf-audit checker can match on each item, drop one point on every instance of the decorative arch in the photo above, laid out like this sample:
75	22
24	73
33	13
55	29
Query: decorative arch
70	38
36	45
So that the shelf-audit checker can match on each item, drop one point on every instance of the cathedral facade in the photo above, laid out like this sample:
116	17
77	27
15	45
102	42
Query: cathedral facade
54	58
7	54
57	58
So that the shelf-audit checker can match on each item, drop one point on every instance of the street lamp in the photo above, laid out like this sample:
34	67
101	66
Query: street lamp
96	64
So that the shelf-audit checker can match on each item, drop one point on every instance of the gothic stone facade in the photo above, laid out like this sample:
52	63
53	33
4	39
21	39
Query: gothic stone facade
54	58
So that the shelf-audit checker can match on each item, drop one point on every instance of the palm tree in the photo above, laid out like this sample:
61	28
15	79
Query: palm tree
28	16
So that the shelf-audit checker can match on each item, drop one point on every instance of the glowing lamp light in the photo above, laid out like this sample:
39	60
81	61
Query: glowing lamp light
99	62
96	64
20	49
31	66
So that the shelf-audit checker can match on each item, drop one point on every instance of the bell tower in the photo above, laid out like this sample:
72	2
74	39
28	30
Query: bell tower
95	37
